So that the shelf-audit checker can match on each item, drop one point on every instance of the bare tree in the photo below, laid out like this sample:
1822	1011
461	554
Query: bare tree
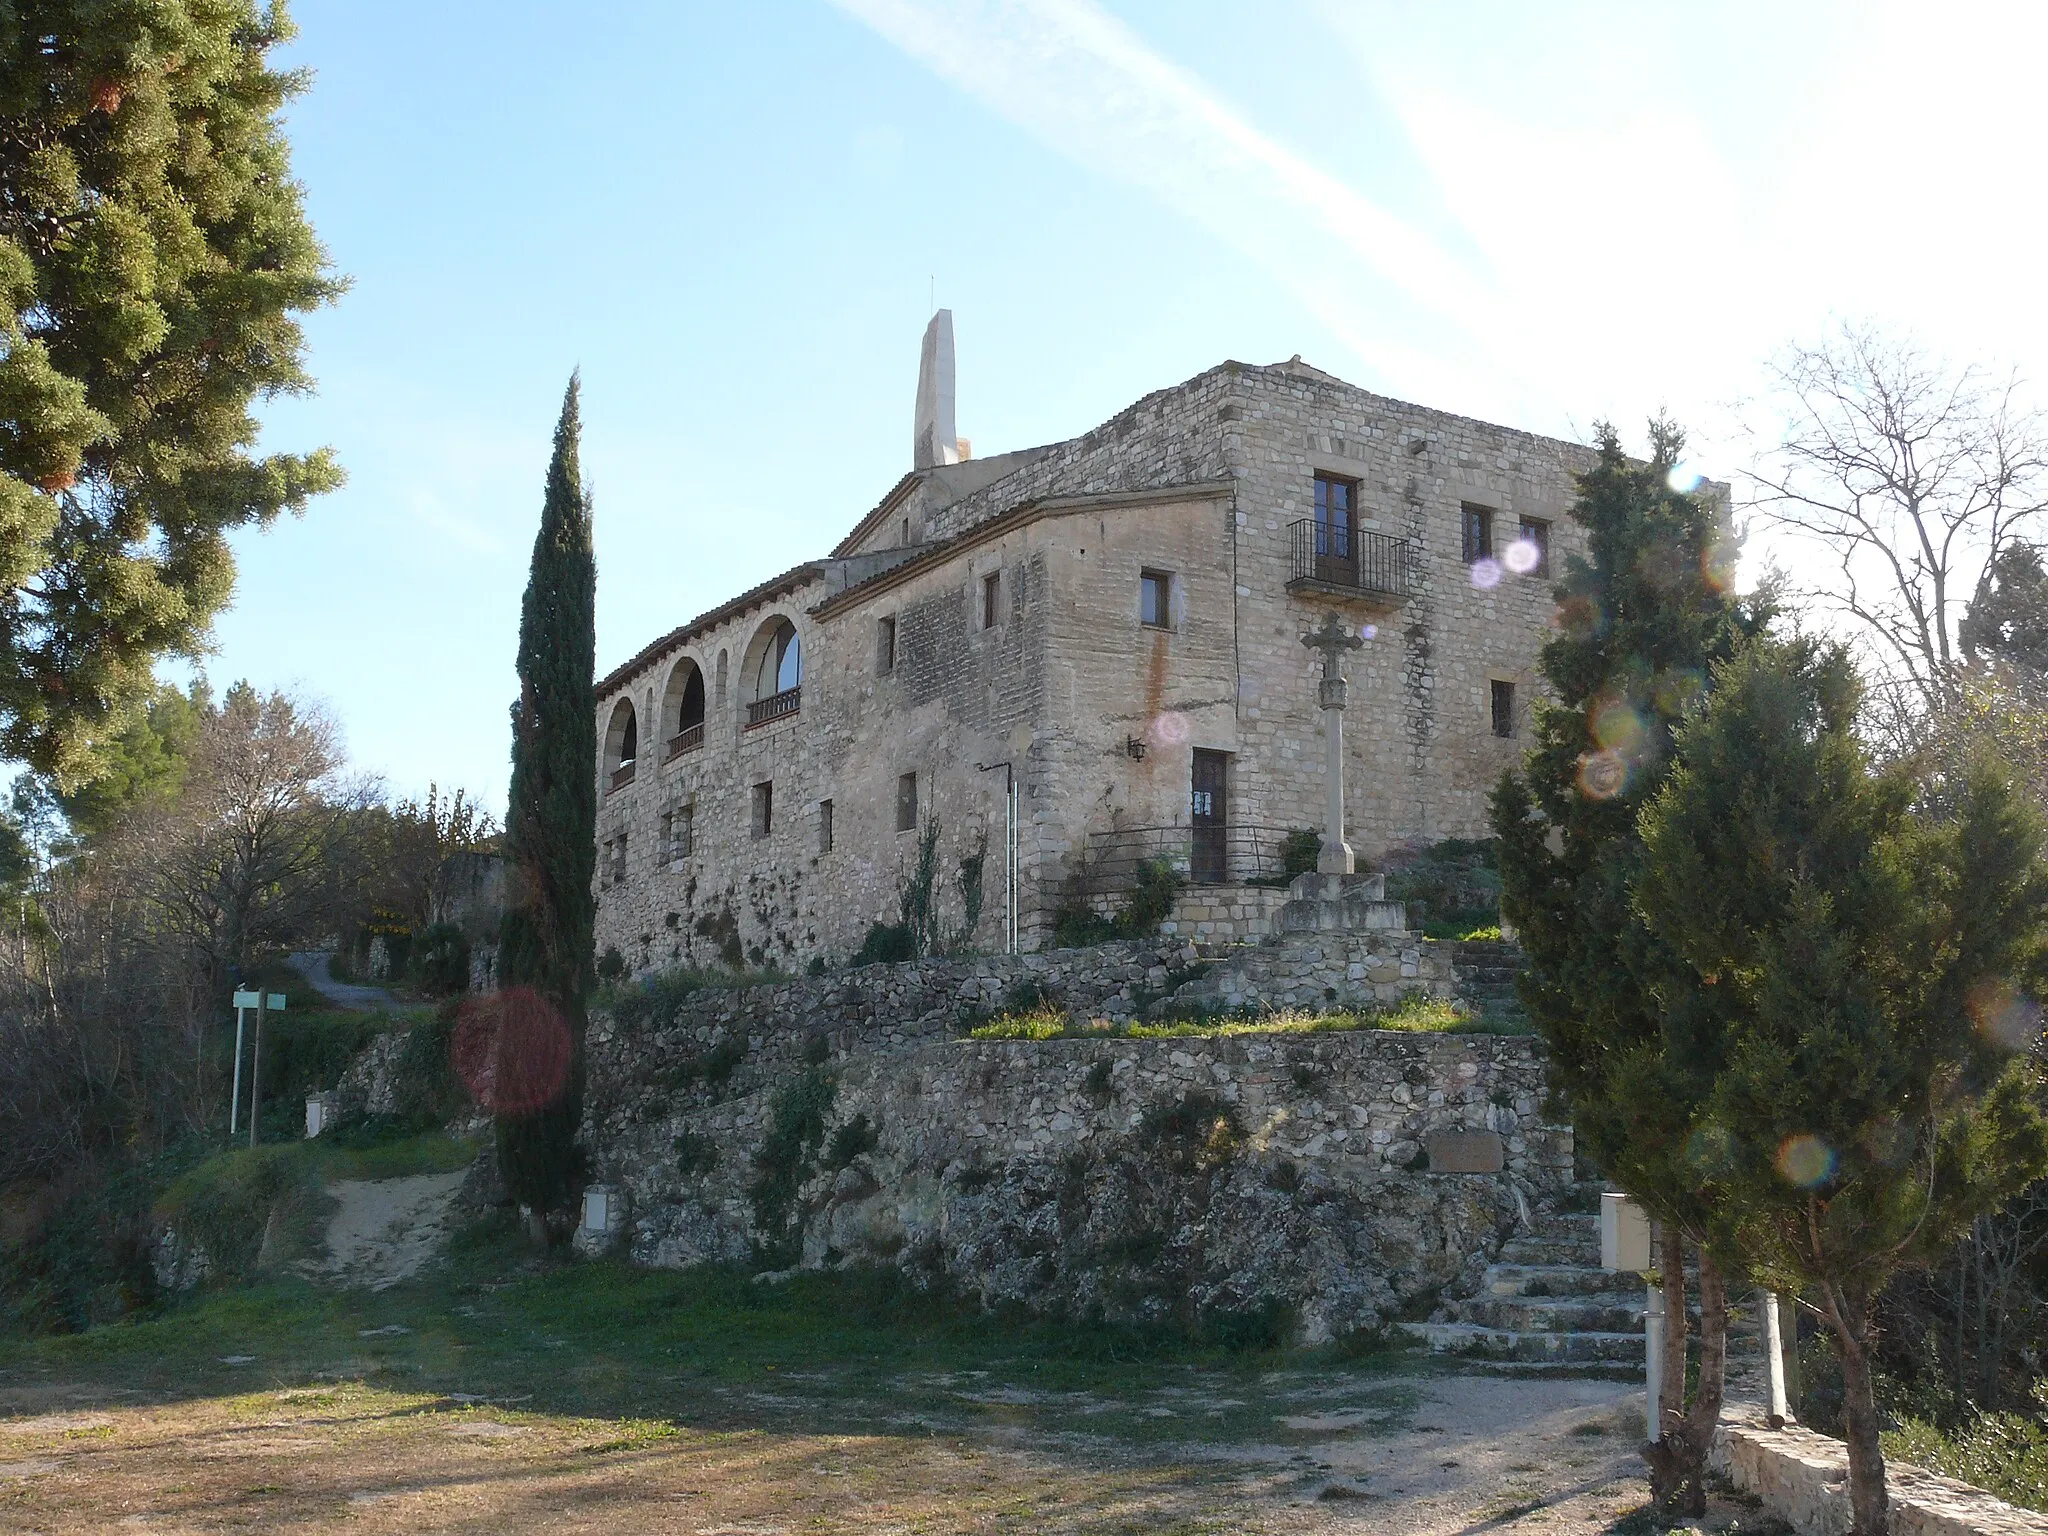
238	862
1909	477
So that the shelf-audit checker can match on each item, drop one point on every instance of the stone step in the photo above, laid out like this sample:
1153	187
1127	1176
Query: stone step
1549	1315
1558	1280
1497	951
1486	975
1583	1252
1506	1344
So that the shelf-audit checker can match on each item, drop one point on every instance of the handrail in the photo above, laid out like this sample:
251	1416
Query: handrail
1239	854
623	774
776	706
688	739
1341	558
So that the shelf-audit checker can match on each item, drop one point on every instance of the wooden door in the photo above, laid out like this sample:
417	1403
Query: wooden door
1209	807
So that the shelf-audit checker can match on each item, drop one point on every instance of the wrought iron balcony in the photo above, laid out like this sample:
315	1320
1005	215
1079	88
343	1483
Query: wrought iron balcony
776	706
688	739
1237	854
1349	562
623	774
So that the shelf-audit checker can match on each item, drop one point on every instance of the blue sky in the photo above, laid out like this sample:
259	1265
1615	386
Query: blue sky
733	217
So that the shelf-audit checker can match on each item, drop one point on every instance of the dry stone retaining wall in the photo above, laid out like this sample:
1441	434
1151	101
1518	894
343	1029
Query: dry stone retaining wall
1202	1180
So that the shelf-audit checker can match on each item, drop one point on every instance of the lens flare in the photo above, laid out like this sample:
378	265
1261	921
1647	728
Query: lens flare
2006	1018
1169	728
1486	573
1678	689
1805	1160
1683	478
1368	631
511	1049
1522	556
1618	727
1719	560
1602	775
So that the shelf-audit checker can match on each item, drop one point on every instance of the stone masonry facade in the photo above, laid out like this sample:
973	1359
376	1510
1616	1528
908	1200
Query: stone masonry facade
1099	622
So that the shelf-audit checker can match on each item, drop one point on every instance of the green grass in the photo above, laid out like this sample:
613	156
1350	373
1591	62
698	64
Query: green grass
1426	1015
849	1350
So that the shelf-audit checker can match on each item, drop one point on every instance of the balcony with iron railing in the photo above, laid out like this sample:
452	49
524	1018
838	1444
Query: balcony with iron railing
622	775
1200	855
777	706
688	739
1341	561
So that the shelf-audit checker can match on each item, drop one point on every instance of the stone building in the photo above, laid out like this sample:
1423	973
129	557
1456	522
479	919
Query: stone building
1075	658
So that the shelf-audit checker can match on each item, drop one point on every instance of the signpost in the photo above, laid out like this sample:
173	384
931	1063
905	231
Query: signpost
1625	1246
244	1001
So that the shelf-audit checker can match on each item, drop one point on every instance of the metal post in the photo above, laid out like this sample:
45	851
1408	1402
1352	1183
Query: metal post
1653	1370
1774	1358
256	1074
235	1098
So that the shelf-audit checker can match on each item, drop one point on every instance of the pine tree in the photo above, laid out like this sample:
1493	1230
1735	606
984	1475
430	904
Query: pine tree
1643	619
154	261
544	951
1868	945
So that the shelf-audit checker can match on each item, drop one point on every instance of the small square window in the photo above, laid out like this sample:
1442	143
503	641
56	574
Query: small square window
1503	709
906	802
991	599
1155	599
617	849
1478	532
764	809
1536	532
824	826
885	646
678	832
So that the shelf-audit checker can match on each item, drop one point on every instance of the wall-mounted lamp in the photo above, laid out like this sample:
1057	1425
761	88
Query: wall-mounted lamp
1134	749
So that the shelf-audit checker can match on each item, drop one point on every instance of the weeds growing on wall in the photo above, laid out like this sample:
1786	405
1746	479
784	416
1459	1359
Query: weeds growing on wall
1077	925
1424	1015
695	1155
796	1133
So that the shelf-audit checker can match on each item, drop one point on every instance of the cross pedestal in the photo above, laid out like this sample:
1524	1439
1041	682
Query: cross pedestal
1333	638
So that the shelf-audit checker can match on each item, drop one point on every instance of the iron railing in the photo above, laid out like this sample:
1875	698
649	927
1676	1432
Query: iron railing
688	739
1335	557
623	774
776	706
1227	855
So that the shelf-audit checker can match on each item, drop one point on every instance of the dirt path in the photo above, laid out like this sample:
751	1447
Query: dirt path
1512	1455
312	964
383	1230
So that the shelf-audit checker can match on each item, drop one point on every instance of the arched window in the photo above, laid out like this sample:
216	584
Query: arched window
621	745
682	709
774	673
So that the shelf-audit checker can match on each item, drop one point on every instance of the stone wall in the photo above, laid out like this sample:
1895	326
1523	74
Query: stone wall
1224	914
1196	1180
1802	1478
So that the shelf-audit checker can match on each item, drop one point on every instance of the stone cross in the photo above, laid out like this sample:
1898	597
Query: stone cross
1333	638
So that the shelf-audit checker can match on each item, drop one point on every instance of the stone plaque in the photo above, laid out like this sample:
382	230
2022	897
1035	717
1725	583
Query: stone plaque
1463	1151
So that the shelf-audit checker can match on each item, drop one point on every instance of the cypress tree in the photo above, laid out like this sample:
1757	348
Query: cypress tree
1642	620
545	964
1870	944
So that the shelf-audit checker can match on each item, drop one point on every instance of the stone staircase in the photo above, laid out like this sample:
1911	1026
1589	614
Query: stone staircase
1485	974
1545	1304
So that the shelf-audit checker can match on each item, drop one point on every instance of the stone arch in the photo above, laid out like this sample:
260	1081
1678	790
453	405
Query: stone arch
683	705
621	743
774	663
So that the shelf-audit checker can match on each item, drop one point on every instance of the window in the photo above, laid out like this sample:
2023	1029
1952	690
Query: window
615	860
1336	509
1536	534
1478	532
906	802
824	826
679	832
991	599
885	646
906	530
1155	599
1503	708
764	809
